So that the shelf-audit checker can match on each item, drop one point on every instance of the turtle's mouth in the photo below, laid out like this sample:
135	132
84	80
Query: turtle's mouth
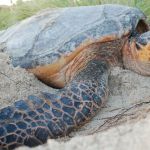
136	57
142	51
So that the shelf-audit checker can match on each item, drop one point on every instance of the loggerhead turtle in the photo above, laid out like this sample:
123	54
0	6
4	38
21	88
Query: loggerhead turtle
72	49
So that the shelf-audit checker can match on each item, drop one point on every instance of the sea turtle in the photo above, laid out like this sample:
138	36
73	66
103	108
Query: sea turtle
72	49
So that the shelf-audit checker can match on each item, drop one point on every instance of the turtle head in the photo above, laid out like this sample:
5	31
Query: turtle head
136	54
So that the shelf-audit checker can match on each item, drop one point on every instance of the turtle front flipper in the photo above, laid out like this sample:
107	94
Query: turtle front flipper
32	121
136	54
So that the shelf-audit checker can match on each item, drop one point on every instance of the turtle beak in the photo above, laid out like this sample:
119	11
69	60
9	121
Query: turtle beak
136	54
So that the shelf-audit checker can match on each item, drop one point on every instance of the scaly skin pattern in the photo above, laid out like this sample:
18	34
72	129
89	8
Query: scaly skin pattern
32	121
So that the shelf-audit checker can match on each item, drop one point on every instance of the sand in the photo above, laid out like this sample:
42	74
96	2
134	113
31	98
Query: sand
133	136
124	123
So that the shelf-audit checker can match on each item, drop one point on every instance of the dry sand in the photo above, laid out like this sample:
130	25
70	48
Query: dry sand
124	121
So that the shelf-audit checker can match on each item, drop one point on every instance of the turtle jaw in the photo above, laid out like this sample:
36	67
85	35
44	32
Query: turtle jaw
136	57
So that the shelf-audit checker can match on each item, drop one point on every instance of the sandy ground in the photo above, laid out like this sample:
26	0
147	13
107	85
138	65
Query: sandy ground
124	121
133	136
